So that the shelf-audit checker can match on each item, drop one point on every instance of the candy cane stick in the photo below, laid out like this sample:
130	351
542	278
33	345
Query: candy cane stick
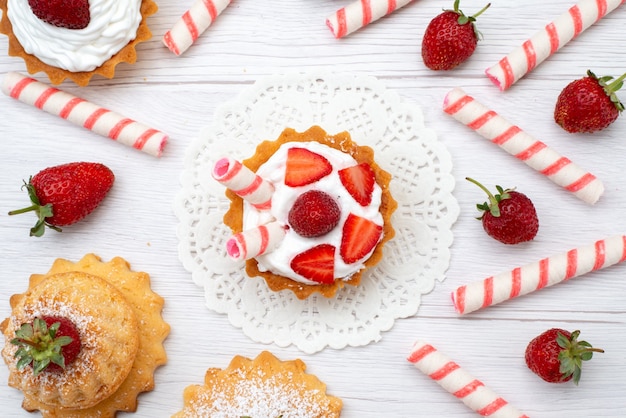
548	40
361	13
518	143
83	113
543	273
244	182
257	241
454	379
192	24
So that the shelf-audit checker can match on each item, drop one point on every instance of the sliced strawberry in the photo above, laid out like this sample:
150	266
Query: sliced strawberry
317	264
359	181
360	236
305	167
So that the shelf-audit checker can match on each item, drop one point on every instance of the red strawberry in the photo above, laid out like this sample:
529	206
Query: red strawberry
305	167
70	14
65	194
48	343
589	104
359	181
450	39
509	216
314	214
317	264
360	236
556	355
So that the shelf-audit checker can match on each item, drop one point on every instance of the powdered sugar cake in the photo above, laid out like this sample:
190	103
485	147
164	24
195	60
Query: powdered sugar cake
119	321
260	387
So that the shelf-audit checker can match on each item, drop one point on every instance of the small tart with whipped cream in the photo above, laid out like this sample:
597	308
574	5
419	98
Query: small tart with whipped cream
92	38
118	321
260	387
309	259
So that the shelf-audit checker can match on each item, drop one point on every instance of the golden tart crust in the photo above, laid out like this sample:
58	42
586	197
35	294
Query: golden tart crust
341	141
57	75
249	387
127	291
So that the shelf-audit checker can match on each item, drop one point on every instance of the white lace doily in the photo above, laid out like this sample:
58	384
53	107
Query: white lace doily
414	260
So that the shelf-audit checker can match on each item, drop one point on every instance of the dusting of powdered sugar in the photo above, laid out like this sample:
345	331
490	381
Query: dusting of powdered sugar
256	395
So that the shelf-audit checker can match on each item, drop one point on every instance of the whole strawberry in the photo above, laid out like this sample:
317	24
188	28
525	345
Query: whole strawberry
450	39
70	14
589	104
509	216
313	214
556	355
48	343
64	194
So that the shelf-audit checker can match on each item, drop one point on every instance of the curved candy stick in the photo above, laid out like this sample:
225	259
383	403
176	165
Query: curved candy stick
548	40
257	241
521	145
244	183
192	24
361	13
83	113
450	376
543	273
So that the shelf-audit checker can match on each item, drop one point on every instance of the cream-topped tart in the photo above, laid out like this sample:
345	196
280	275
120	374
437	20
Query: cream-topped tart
75	38
327	217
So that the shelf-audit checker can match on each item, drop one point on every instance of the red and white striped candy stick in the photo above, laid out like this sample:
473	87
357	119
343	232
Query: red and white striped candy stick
192	24
84	113
450	376
543	273
257	241
548	40
521	145
361	13
244	183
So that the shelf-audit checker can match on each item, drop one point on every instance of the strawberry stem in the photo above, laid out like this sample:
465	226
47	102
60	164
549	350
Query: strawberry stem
493	201
612	88
24	210
42	212
615	84
481	11
573	354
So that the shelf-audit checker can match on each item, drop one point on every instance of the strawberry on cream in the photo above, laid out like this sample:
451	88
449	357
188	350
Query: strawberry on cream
112	26
278	261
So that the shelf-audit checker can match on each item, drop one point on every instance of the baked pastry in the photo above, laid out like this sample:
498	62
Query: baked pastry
90	38
117	319
329	214
263	387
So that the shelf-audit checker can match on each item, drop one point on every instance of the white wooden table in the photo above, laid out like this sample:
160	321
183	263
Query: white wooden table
256	38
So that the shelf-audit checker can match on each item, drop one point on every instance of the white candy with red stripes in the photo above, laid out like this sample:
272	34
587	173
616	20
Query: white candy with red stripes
548	40
84	113
543	273
524	147
244	182
361	13
192	24
450	376
254	242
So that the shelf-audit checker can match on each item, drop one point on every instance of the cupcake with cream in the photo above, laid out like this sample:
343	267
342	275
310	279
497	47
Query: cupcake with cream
310	211
75	39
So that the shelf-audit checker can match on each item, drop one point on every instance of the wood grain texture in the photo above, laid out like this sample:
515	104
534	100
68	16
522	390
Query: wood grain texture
250	39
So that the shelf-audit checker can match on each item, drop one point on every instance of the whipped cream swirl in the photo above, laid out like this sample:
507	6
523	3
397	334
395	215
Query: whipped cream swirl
112	26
